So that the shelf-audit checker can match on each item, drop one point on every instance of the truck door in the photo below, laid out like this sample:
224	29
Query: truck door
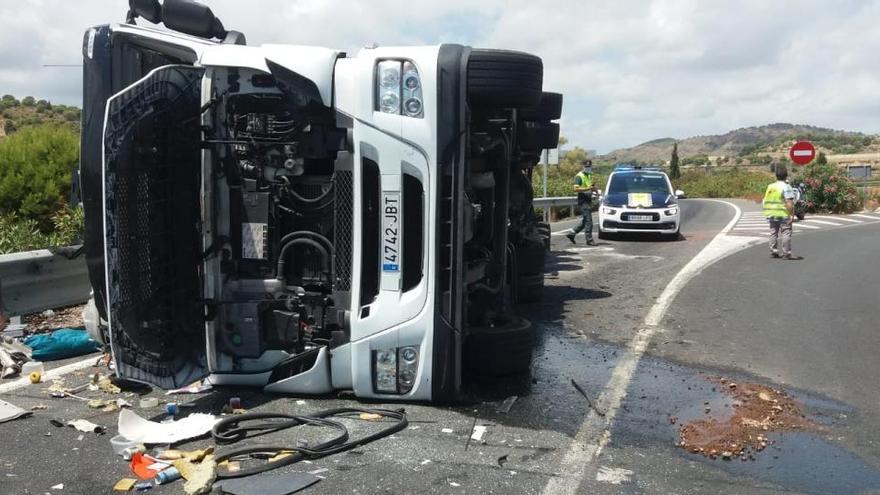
151	184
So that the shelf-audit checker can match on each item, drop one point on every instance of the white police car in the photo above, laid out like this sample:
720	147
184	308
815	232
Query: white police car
639	200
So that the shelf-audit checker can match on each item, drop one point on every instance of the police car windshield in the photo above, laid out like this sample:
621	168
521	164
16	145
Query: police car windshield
637	182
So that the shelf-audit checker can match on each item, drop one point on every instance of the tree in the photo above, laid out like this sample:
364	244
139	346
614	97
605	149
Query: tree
36	164
28	101
674	171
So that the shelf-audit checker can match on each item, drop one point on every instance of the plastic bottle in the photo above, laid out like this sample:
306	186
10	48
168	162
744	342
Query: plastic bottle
167	476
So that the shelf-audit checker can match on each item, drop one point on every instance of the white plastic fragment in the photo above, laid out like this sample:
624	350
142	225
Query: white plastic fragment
477	434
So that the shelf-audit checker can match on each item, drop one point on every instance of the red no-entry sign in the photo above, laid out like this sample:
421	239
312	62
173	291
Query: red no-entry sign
802	152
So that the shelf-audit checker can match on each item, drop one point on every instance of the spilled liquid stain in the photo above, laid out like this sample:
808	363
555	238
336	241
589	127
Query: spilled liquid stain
742	430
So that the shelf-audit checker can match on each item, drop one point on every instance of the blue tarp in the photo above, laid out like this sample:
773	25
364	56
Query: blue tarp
61	344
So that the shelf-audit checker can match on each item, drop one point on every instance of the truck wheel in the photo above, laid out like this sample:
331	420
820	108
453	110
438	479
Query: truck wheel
550	108
504	79
502	349
530	273
537	135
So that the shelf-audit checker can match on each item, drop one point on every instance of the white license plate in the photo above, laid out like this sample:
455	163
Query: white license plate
391	232
640	218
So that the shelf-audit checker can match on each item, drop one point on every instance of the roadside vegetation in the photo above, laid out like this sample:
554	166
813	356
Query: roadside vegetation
39	151
828	189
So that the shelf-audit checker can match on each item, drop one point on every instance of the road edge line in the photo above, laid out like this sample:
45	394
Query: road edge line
595	432
51	374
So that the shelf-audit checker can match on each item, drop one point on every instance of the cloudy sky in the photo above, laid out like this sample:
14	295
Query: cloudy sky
631	70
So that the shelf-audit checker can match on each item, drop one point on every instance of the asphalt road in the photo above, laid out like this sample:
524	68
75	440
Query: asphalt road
595	302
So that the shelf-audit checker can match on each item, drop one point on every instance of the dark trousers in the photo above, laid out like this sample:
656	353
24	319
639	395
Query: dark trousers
586	221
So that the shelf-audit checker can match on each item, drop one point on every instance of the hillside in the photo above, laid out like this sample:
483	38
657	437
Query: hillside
16	114
750	145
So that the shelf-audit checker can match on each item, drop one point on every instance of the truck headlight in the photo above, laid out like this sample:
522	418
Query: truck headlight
399	88
395	370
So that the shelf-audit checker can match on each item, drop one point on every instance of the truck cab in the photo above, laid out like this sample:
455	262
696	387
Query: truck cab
303	220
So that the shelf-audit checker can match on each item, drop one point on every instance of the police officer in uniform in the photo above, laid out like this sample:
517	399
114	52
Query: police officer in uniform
779	210
583	185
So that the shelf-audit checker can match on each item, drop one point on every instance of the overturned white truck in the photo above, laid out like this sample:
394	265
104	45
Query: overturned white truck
303	220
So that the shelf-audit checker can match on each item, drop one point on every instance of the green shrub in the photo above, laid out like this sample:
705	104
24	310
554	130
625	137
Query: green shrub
18	234
733	183
36	164
827	189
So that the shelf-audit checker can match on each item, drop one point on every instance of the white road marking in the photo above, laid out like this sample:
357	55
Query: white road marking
843	219
805	226
615	476
823	222
869	217
50	374
595	432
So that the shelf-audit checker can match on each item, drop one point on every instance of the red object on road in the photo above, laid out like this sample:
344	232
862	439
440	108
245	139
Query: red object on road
802	153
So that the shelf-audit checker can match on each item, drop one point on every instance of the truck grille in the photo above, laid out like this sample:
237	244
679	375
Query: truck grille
344	227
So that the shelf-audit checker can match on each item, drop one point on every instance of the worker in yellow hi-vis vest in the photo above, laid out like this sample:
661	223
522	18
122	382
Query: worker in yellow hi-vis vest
779	210
583	186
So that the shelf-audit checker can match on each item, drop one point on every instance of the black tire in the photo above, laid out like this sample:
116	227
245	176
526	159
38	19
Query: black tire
537	135
530	289
530	259
550	108
504	79
500	350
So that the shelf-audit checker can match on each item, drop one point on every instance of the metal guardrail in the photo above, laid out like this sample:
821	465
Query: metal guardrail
560	201
34	281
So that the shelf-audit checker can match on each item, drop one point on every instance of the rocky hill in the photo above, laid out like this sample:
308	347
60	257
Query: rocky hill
15	114
747	144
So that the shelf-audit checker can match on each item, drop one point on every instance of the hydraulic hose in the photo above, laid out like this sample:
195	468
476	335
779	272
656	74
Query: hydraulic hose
235	428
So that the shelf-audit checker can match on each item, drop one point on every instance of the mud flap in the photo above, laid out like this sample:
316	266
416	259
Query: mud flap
152	163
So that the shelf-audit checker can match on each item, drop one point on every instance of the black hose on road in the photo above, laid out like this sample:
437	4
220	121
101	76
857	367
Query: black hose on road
234	429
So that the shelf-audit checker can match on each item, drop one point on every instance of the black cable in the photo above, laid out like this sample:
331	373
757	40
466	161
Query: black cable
232	429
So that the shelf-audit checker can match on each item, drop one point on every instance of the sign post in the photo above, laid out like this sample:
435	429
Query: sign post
802	153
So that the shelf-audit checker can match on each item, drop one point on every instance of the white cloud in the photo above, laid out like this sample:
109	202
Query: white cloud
631	70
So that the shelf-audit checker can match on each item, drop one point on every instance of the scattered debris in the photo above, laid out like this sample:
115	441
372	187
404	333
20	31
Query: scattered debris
201	476
478	432
104	405
35	377
506	404
502	460
425	462
56	422
59	486
143	486
149	403
86	426
589	402
140	430
235	403
39	407
193	388
146	467
758	409
615	476
454	484
171	409
446	430
13	355
105	385
8	412
61	344
673	420
370	416
124	485
168	475
319	471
